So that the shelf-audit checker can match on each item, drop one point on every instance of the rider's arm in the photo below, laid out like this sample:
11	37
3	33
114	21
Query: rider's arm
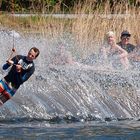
27	75
6	66
9	63
12	61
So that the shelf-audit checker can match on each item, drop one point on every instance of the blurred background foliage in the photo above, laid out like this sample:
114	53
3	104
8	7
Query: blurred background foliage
100	17
61	6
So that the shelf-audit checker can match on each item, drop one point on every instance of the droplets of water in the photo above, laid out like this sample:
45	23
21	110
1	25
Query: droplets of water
71	92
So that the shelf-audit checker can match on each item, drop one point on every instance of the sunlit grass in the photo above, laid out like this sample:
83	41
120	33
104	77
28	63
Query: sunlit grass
88	30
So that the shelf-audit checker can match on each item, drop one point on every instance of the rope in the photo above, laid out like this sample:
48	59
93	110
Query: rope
13	34
13	49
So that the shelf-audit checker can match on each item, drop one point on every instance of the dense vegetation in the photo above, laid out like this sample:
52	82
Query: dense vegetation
59	6
87	30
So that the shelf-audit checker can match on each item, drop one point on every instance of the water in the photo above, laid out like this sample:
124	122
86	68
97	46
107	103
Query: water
69	102
44	129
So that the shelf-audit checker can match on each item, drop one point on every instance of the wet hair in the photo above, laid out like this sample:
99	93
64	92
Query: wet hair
108	34
36	50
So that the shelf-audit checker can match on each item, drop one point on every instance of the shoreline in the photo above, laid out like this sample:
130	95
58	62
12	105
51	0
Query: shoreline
73	16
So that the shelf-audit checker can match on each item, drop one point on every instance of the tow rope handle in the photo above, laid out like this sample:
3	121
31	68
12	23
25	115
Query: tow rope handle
12	52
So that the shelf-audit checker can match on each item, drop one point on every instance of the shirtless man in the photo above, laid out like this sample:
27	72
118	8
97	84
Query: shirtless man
113	52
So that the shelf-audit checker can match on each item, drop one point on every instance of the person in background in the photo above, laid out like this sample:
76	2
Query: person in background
113	53
124	43
61	56
22	67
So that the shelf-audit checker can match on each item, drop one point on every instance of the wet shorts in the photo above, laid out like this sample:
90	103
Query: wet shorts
6	92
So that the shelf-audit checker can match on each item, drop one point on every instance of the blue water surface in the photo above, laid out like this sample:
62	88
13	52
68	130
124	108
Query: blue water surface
38	129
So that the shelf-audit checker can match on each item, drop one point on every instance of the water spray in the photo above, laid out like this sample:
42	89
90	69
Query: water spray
13	33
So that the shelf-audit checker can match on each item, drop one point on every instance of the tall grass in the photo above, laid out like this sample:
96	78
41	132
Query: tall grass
87	31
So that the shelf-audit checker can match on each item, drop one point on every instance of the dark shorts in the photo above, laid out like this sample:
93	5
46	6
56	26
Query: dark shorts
6	92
